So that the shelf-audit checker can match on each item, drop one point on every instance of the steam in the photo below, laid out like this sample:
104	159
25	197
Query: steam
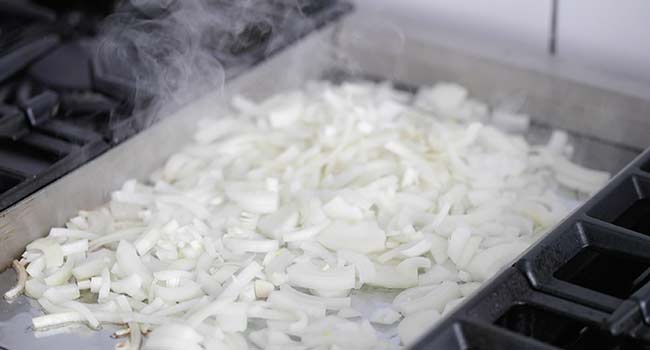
166	53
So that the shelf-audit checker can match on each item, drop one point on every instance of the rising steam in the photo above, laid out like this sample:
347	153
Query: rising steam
170	52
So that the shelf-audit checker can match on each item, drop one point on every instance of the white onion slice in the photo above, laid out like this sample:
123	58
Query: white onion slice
51	249
306	275
384	315
436	299
390	276
414	326
363	237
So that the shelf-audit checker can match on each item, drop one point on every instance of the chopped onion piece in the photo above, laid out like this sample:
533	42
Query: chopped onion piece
80	246
173	336
89	269
255	201
251	245
304	233
36	267
35	288
364	267
242	279
21	276
188	291
385	315
60	293
233	317
51	249
390	276
348	312
62	275
438	274
414	326
59	232
130	263
263	289
436	299
363	237
339	209
439	247
306	275
469	288
330	303
283	220
488	262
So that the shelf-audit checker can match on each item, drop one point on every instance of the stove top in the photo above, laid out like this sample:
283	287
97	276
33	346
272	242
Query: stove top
60	106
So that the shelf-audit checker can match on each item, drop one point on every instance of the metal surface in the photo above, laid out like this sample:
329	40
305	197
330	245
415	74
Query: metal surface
90	185
610	129
16	332
552	91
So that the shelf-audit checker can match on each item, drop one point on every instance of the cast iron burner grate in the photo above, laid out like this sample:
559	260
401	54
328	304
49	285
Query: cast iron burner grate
586	285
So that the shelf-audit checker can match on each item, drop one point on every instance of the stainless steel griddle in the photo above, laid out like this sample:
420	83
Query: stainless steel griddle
608	129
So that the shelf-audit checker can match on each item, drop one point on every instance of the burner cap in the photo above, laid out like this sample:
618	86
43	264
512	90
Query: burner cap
67	67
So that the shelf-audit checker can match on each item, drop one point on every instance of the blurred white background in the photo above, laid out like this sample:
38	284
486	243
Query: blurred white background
607	36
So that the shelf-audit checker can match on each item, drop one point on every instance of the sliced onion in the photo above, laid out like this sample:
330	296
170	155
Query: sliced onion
267	222
436	299
384	315
255	201
330	303
306	275
251	245
283	220
414	326
173	336
240	280
62	275
51	250
59	232
304	233
21	276
89	269
389	276
488	262
363	237
188	291
437	274
130	263
59	294
365	268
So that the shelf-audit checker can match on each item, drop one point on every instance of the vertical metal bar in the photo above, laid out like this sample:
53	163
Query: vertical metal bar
552	41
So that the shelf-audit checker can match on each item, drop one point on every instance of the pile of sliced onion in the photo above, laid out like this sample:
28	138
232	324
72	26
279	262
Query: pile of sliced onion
259	233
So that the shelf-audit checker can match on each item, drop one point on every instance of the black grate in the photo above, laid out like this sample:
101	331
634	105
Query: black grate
606	272
584	286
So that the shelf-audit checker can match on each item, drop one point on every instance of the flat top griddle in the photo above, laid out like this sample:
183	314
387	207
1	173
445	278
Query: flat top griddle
553	298
510	302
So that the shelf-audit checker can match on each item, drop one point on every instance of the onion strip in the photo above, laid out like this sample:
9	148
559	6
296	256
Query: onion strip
21	276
